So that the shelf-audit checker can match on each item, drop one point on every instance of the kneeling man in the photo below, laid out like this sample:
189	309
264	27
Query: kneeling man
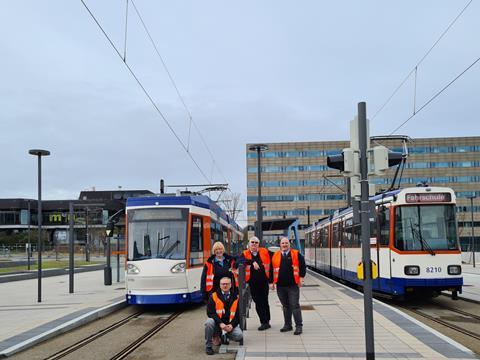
222	312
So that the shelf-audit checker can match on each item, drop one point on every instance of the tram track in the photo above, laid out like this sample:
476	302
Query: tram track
114	330
79	344
145	337
437	320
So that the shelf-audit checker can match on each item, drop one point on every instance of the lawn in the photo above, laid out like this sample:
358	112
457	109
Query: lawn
48	264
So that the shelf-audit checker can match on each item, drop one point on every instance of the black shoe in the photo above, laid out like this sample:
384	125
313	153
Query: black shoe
298	330
286	328
209	351
264	327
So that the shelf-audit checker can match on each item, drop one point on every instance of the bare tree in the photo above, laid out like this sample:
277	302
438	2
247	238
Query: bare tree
232	203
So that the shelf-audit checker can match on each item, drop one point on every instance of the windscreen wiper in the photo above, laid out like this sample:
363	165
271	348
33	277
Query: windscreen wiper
158	244
417	234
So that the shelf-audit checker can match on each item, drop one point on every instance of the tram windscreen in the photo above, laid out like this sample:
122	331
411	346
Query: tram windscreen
425	227
157	234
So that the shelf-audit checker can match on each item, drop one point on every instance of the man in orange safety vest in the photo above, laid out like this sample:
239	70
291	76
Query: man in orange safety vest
223	314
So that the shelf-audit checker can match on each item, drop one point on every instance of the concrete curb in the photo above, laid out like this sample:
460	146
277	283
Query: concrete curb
47	273
69	325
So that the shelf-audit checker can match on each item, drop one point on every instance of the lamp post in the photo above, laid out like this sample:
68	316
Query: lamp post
39	153
472	245
259	148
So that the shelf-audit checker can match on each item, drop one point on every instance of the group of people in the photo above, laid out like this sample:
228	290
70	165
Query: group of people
264	270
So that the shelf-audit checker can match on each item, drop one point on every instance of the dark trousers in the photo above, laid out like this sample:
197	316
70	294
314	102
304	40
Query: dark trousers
259	293
289	296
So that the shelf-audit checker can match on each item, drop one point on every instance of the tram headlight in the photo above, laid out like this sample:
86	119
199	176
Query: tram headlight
454	269
412	270
132	269
179	268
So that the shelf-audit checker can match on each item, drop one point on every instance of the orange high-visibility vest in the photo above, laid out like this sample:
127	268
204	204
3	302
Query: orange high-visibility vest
211	275
220	307
209	278
277	258
264	255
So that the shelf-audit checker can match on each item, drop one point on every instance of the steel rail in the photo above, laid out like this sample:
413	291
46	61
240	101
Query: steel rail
444	323
139	341
74	347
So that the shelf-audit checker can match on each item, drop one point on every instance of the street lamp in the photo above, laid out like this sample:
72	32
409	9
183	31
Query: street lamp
39	153
259	148
472	245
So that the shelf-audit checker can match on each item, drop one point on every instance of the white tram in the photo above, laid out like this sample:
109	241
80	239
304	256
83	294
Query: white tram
168	240
414	243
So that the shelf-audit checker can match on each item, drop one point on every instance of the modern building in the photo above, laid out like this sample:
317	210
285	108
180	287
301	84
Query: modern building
296	181
18	218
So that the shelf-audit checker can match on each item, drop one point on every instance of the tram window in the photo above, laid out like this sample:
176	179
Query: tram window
325	237
336	235
357	239
384	226
196	241
347	233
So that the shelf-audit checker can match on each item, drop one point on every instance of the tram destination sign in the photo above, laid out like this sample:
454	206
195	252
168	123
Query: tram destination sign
428	198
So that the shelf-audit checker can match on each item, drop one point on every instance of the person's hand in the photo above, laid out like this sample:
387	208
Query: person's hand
255	265
228	328
301	282
272	286
223	326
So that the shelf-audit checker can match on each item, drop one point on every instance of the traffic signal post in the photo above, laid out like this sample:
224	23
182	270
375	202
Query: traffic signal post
356	163
365	219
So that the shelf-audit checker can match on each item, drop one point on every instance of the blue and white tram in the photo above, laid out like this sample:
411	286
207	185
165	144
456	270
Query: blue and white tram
414	243
168	240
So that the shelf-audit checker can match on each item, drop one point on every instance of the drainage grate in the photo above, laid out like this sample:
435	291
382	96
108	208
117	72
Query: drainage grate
306	307
311	285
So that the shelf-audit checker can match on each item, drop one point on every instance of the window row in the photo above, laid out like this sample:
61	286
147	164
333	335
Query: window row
294	212
299	197
289	183
283	169
444	164
319	153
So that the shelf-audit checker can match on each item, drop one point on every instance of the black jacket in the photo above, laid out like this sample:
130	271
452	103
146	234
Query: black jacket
218	273
257	277
212	313
285	274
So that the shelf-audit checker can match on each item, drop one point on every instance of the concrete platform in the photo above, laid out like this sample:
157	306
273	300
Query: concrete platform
26	322
471	282
333	329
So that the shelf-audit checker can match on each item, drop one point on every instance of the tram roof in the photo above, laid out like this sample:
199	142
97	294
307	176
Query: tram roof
193	200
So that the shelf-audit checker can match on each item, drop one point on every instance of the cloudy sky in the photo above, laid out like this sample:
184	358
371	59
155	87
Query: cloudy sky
248	71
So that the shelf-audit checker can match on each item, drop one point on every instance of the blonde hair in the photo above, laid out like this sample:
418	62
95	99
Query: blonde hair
218	245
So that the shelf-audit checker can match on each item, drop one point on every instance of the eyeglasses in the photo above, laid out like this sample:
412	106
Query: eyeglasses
224	283
254	242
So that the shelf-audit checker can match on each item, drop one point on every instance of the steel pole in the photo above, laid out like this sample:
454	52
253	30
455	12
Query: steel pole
365	226
87	240
39	220
308	216
29	240
258	228
473	231
71	249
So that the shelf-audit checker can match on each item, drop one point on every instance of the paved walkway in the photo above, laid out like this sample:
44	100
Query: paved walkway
25	321
333	329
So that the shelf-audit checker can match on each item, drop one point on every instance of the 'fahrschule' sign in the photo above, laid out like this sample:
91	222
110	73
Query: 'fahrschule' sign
428	198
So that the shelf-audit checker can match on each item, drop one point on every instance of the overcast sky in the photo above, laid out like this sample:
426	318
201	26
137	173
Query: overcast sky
249	71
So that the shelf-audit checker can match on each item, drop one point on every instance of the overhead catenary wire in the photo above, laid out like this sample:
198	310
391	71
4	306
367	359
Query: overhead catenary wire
436	95
181	98
415	68
146	92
